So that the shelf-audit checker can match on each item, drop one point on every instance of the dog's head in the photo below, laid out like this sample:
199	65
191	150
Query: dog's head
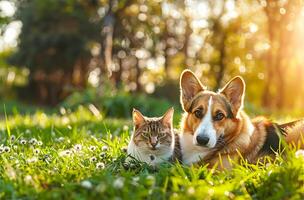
210	116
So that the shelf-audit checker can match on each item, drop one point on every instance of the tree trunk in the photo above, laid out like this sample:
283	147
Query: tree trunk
267	94
222	65
116	75
108	30
188	33
137	77
166	55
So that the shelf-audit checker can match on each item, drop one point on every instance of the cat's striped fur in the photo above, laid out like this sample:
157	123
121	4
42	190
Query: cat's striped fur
154	139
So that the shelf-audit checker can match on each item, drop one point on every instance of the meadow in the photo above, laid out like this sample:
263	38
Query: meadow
79	154
72	70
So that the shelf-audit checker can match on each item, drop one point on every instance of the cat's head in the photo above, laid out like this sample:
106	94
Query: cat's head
153	133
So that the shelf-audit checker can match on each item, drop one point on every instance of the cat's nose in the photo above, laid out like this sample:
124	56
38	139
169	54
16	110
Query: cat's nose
154	145
202	140
153	142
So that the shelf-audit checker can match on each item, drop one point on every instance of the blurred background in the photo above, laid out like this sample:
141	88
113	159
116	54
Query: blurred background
114	55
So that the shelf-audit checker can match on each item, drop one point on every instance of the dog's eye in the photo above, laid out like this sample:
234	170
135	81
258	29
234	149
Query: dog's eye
219	116
198	113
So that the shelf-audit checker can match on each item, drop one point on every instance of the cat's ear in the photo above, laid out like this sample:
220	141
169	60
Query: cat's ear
138	118
167	118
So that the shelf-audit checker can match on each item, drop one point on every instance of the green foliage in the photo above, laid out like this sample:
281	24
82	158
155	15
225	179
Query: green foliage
77	155
120	104
10	76
55	46
54	35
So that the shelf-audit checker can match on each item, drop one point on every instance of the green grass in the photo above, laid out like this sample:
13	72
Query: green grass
49	166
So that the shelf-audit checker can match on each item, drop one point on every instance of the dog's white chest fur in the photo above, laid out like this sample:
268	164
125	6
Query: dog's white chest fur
191	153
149	156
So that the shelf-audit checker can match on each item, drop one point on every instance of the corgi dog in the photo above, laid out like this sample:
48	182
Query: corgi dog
216	130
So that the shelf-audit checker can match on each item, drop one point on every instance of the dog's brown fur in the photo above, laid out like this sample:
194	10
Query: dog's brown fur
237	135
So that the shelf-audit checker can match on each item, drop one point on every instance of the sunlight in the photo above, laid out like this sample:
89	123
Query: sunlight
12	31
9	38
7	8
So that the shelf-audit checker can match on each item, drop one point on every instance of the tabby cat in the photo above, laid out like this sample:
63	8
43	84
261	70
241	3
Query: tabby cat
153	139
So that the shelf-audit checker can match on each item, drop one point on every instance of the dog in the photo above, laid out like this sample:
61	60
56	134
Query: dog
215	130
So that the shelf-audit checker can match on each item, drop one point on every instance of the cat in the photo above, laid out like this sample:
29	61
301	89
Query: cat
154	140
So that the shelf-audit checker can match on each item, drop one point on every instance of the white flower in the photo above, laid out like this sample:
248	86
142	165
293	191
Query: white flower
36	151
23	141
1	149
33	141
11	173
39	143
135	179
118	183
191	190
150	179
124	149
6	149
86	184
32	160
60	139
93	159
101	187
78	147
104	148
269	172
175	195
125	127
299	153
13	137
92	148
210	192
102	155
28	179
100	165
65	153
229	194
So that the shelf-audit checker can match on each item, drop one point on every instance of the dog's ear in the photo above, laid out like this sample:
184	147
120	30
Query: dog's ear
189	86
167	118
234	91
138	118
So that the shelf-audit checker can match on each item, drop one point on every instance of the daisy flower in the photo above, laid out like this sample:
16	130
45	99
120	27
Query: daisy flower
86	184
78	147
118	183
100	165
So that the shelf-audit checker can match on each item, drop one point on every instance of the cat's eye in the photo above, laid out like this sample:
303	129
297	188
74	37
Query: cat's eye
146	134
219	116
162	135
198	113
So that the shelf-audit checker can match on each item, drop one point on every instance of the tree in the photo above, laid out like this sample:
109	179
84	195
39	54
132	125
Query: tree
281	15
55	45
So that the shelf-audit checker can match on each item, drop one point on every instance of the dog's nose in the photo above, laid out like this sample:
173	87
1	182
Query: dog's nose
202	140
